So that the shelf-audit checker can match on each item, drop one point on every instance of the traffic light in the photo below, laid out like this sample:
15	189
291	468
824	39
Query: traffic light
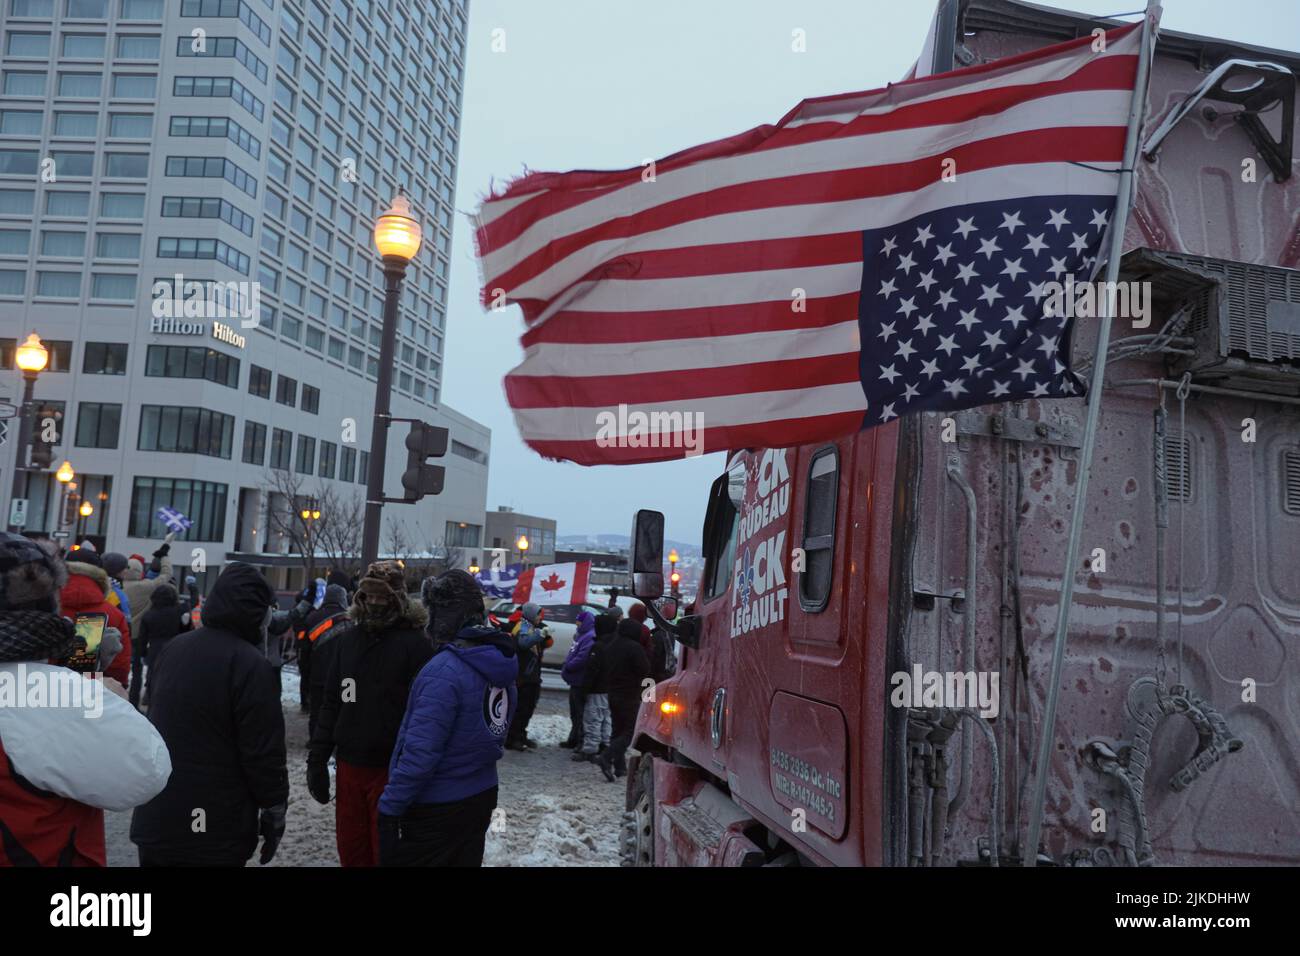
420	478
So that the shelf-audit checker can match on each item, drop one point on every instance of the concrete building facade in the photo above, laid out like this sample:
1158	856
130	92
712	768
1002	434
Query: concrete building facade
187	196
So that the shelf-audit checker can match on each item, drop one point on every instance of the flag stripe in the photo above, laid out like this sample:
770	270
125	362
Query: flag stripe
677	385
628	328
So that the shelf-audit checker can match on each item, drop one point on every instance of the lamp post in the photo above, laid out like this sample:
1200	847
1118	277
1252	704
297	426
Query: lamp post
397	237
673	577
86	510
65	474
31	358
309	517
522	545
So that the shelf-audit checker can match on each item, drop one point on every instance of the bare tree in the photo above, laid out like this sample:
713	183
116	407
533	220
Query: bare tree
318	523
405	544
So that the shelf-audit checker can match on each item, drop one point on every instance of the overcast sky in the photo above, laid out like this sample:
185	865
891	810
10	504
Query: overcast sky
606	84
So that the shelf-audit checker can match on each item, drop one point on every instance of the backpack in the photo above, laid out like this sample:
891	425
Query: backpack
665	651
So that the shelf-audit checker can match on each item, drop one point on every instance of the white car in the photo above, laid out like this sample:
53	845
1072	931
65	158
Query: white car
561	621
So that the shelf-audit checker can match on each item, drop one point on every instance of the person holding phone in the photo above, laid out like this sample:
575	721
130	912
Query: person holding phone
87	592
60	771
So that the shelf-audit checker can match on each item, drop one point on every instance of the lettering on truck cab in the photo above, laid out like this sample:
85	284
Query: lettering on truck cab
759	592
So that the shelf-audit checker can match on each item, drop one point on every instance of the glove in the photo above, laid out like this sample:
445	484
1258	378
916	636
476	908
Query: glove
191	581
318	782
390	834
270	826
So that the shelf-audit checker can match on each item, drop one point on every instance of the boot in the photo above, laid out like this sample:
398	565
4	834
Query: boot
606	766
580	757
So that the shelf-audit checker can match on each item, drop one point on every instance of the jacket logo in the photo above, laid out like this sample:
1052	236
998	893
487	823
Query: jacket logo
496	707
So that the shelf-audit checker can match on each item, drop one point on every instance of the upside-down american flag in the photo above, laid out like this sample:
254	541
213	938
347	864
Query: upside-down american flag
870	255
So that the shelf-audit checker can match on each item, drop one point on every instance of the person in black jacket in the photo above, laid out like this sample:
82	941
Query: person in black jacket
363	701
322	627
623	667
595	708
216	706
166	618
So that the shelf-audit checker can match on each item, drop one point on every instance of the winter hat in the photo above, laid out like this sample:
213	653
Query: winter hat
82	556
530	612
164	595
605	624
615	611
114	564
637	612
454	601
335	594
134	569
31	575
381	596
629	628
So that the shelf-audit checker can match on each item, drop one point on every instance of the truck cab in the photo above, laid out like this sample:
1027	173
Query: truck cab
851	586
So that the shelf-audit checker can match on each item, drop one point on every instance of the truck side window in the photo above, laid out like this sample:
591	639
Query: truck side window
720	527
819	529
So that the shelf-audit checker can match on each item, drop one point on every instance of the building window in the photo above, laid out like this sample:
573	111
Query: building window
466	451
192	361
126	165
306	455
21	122
83	46
121	205
63	245
221	87
128	126
228	9
311	399
216	126
254	444
18	202
226	47
23	83
112	286
80	85
259	381
203	502
117	245
286	391
211	167
72	205
32	8
59	285
60	359
87	9
192	431
363	469
180	248
328	454
819	529
281	448
134	86
347	463
15	242
104	358
132	46
97	424
193	207
142	9
462	535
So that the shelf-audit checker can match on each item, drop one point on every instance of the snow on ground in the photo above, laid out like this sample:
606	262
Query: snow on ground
551	810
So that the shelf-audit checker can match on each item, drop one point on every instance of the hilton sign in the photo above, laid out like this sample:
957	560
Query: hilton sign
220	331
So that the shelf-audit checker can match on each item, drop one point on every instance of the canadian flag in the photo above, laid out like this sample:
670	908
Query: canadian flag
554	584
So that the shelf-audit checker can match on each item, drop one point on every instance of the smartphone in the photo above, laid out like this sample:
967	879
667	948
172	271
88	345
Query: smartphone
90	634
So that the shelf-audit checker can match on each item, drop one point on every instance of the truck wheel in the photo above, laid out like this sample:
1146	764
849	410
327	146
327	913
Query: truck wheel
638	843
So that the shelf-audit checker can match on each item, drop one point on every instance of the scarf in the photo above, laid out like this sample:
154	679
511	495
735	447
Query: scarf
35	636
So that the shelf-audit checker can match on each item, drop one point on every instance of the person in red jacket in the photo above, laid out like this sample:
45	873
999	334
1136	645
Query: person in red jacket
87	592
638	613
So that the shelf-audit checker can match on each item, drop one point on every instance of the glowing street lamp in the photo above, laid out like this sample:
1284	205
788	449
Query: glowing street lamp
397	237
65	473
31	357
473	567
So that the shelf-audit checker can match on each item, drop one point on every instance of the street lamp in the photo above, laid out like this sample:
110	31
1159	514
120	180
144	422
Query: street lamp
65	474
397	237
309	516
86	509
31	358
522	545
473	567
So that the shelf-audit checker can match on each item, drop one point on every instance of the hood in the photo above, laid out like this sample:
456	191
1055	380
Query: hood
638	612
403	613
238	602
586	623
488	651
335	594
87	585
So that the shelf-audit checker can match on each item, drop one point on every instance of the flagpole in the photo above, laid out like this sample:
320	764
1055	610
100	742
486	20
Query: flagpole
1151	17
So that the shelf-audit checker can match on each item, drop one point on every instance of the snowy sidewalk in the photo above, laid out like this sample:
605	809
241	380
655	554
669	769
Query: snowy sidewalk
551	811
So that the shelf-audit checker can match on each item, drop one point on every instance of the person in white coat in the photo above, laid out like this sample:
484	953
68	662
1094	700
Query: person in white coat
71	746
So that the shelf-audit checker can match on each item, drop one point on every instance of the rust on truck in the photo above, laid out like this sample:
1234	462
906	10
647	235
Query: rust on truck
935	544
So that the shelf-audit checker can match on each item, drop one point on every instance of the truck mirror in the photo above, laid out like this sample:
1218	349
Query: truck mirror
647	559
737	474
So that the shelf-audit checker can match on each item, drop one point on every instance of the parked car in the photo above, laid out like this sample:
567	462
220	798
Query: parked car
561	620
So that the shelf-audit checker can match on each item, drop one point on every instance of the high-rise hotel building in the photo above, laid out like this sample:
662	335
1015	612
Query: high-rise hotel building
160	156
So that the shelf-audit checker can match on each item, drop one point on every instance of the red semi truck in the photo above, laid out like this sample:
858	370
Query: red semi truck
845	579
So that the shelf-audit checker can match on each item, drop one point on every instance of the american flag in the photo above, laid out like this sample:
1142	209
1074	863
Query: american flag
870	255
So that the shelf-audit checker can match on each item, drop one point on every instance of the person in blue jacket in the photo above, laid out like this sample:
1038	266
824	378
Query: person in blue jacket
442	780
575	666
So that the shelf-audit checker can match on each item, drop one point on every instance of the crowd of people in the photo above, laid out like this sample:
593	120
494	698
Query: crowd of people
410	698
